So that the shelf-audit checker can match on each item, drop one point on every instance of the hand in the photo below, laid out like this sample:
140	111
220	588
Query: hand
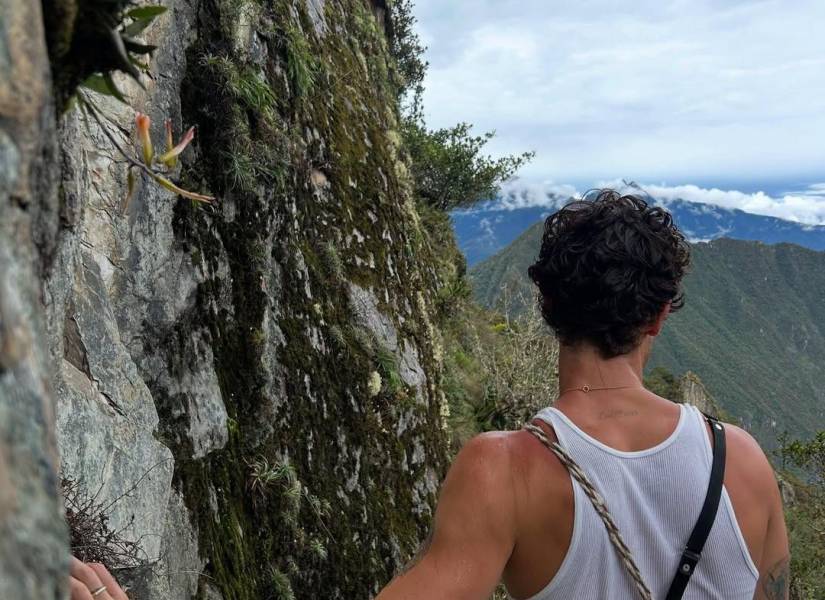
86	578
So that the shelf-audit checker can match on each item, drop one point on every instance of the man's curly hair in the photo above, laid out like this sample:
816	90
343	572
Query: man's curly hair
607	267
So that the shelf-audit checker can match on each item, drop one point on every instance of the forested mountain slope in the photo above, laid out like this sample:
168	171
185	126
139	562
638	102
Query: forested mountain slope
753	326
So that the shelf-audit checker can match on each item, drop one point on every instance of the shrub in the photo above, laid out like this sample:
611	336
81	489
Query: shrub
449	168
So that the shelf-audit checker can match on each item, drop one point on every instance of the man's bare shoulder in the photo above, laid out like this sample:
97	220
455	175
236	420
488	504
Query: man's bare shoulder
747	459
494	455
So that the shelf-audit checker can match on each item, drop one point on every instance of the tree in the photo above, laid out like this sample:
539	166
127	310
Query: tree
449	168
406	48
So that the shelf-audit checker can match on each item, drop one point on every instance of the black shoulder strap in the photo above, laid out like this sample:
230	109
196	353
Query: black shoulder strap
696	542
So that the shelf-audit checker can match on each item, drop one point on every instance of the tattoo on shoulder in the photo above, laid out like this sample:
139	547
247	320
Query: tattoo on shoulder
775	584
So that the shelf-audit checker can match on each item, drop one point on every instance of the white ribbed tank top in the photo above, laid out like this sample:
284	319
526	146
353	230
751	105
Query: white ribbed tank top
655	496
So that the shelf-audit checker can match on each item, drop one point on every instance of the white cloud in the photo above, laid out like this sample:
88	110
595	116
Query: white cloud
806	206
689	90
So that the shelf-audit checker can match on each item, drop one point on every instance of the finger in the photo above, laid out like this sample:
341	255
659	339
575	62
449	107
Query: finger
115	591
79	591
86	575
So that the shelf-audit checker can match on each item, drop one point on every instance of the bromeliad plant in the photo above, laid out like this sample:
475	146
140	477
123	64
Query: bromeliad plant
128	52
156	167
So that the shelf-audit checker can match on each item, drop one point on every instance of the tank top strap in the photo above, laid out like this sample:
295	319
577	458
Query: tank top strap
551	416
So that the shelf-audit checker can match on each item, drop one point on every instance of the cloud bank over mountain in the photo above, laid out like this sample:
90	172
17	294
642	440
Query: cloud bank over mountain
800	206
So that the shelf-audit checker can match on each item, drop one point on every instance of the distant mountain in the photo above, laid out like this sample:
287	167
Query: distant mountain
489	227
753	326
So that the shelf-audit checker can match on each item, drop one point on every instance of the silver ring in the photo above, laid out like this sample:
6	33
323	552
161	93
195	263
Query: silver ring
98	591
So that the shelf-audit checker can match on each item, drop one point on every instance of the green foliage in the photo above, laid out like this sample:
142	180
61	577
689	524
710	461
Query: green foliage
809	455
805	517
318	549
406	48
302	67
448	167
102	84
244	83
91	39
806	529
389	369
497	371
247	123
280	585
126	52
263	475
332	262
662	382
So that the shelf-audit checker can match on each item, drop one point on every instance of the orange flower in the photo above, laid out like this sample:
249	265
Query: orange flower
170	157
142	123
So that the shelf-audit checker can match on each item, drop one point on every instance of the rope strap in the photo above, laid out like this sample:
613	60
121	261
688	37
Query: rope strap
601	509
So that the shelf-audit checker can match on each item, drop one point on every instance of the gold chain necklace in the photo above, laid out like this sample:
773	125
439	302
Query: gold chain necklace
586	388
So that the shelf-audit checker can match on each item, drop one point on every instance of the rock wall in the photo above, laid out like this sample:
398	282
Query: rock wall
33	541
693	391
253	385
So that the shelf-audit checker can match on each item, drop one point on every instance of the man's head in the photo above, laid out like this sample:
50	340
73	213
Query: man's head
609	268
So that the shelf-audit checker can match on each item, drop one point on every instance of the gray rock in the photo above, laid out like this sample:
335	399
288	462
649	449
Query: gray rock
176	572
316	13
787	491
163	320
33	541
694	392
366	313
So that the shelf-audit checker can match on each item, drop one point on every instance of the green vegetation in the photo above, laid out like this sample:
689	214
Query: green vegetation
389	369
280	585
263	475
406	49
301	142
498	371
89	40
751	326
662	382
805	515
448	165
246	129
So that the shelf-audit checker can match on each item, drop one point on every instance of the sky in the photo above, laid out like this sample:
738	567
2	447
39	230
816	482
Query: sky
705	96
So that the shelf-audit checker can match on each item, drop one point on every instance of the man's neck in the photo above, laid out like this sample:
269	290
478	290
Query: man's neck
583	365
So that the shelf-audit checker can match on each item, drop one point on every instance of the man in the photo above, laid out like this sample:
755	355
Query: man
609	272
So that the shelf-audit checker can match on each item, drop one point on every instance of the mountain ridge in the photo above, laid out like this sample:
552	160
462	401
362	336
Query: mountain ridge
491	226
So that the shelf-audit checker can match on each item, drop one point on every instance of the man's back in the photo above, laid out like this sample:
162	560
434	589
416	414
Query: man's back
507	510
651	462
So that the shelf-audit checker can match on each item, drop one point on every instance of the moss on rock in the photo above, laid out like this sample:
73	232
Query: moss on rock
297	139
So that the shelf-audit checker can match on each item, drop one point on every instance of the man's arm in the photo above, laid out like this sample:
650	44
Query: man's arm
473	531
775	566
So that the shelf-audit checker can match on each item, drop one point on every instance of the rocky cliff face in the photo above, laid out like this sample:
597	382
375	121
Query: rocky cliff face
33	541
693	391
253	386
